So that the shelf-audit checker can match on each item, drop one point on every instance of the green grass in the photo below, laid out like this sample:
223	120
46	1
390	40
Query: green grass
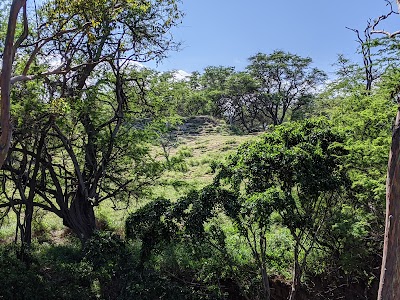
198	150
204	149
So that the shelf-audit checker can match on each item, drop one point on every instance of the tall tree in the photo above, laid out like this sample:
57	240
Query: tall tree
365	119
73	37
10	47
90	140
389	285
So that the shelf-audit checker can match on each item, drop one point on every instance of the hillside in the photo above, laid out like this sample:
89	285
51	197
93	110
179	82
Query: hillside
201	140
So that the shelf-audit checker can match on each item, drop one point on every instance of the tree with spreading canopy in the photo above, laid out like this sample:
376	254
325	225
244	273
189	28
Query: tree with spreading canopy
84	142
287	83
72	37
273	88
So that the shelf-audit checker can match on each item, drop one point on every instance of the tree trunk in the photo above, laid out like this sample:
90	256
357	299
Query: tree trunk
263	264
296	274
80	218
389	286
5	80
27	234
266	287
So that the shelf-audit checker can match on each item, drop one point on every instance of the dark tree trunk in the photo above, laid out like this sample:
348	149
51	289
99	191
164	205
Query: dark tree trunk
266	287
263	263
27	234
389	286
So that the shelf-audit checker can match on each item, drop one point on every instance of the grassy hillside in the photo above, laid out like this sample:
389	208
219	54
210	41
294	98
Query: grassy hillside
199	140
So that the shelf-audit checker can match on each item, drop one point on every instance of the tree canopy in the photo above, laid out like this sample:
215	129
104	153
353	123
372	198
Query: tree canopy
119	181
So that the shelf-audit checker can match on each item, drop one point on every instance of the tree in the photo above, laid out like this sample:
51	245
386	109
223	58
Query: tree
189	222
389	285
58	165
252	216
272	86
296	171
239	101
90	133
366	44
287	82
365	120
10	47
139	29
213	84
149	225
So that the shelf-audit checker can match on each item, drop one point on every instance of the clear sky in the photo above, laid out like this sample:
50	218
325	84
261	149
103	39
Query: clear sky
227	32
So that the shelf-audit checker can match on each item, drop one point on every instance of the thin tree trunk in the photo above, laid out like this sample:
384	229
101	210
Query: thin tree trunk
389	286
263	258
296	274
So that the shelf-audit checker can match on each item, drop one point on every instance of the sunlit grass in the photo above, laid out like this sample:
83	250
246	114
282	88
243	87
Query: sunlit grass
200	150
204	150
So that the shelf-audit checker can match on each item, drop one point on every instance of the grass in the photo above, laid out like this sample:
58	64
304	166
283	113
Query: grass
199	151
208	143
204	149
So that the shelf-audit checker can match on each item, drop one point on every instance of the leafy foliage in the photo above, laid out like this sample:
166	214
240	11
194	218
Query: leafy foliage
295	170
87	121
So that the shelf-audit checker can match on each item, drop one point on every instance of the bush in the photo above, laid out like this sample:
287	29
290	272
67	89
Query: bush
58	277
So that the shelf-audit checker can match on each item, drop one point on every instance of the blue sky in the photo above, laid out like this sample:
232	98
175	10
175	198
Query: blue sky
227	32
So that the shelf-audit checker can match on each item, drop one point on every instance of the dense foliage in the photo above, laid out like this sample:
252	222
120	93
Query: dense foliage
296	212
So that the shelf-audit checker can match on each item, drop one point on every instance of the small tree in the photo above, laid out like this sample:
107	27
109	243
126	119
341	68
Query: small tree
297	170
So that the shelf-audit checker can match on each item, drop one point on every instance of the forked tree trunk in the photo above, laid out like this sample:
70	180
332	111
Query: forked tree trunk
80	218
389	286
26	235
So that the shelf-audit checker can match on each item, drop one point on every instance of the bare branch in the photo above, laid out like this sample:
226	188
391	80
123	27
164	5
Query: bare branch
384	17
58	71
